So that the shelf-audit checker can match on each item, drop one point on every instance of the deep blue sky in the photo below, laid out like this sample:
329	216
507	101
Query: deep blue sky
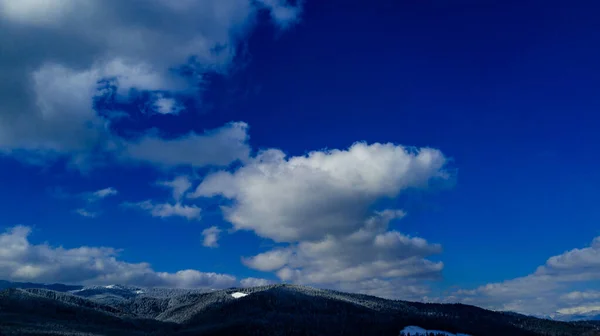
509	90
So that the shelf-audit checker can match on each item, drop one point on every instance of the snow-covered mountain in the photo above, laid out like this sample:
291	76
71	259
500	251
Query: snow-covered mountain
593	315
418	331
266	310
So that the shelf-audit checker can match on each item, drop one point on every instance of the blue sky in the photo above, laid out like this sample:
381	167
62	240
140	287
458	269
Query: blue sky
160	132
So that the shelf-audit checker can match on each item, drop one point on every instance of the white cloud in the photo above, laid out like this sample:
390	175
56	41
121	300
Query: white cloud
352	262
255	282
86	213
269	261
180	185
165	210
575	265
91	197
36	12
60	49
211	236
282	13
548	290
219	147
57	116
22	261
579	296
103	193
580	310
164	105
325	192
100	194
406	289
322	206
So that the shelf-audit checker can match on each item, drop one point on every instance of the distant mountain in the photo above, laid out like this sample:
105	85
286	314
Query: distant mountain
268	310
56	287
45	312
589	316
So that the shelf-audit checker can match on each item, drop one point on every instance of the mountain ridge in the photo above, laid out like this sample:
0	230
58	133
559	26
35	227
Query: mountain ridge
266	310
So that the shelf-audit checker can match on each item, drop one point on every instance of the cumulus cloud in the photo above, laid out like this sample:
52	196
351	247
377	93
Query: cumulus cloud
575	265
269	261
356	261
211	236
48	109
254	282
63	53
324	192
219	147
22	261
549	290
323	206
165	105
165	210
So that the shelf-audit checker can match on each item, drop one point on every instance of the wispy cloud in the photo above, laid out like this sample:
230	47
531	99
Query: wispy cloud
165	210
99	194
90	200
85	213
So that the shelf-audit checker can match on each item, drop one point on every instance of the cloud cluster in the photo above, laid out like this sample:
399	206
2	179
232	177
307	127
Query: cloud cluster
22	261
323	205
65	53
549	290
372	260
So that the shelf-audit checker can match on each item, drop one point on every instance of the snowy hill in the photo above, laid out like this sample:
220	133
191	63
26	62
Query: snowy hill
418	331
266	310
593	315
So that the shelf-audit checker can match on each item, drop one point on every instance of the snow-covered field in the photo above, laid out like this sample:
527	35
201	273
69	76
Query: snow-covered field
238	295
414	330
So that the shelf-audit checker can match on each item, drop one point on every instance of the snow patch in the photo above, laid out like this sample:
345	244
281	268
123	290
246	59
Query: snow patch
139	292
110	286
238	295
420	331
